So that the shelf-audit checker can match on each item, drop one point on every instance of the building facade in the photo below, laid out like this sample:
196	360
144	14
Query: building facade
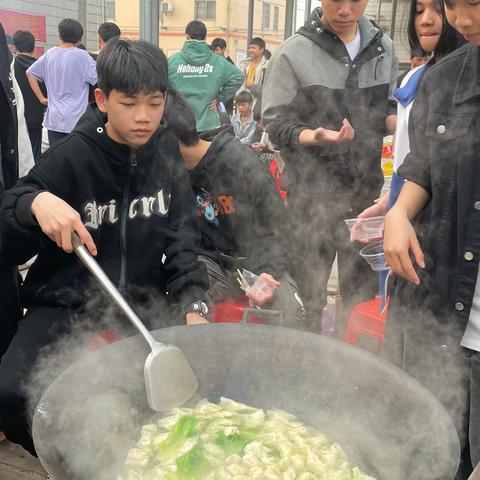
224	18
41	17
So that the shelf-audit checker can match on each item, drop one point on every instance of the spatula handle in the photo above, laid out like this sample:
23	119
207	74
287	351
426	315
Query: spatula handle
110	288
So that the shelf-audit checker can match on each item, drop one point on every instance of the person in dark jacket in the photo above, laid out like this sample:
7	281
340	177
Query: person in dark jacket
433	327
327	104
9	277
24	42
120	184
242	217
219	47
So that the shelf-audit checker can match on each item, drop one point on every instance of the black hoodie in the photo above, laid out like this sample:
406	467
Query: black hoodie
137	206
34	110
241	212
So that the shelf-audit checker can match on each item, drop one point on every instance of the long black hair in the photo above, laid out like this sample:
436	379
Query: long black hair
449	40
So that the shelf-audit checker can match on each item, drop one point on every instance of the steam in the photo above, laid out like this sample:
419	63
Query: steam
99	427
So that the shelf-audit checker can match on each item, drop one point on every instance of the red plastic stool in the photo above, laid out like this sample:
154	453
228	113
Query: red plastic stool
236	310
230	310
102	339
366	319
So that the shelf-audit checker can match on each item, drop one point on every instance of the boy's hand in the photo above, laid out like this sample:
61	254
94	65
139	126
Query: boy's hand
321	135
257	146
195	319
399	239
58	220
262	297
44	101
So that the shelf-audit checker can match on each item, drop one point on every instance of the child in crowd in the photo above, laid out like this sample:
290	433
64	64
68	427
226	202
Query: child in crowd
67	72
119	182
242	217
433	329
243	122
260	141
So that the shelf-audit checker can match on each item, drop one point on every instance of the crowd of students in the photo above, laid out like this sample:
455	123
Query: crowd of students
152	170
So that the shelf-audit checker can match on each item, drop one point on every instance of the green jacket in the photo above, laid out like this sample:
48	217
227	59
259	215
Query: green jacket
201	76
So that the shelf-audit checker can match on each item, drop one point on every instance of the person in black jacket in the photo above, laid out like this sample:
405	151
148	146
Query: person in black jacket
9	277
120	184
24	42
219	46
242	217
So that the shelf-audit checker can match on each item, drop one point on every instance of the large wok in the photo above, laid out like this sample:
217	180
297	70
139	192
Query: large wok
389	425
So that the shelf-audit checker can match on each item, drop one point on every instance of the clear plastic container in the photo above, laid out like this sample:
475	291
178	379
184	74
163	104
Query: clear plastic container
375	257
257	286
366	229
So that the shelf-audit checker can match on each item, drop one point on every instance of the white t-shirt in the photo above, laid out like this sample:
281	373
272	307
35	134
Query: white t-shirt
353	47
402	141
471	337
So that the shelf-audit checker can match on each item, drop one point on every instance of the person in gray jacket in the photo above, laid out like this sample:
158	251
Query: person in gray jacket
327	104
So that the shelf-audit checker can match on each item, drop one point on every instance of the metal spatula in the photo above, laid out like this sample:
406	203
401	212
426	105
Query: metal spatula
169	378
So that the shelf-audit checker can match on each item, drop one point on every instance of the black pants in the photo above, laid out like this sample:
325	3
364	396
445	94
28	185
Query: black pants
10	309
40	327
427	346
54	137
321	234
35	134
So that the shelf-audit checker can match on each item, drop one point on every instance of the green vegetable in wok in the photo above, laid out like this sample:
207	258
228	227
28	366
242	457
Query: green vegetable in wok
232	441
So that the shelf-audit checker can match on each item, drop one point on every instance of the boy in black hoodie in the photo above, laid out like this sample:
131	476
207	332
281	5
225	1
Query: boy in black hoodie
120	184
242	216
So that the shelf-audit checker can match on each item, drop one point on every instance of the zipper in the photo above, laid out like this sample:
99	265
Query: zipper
123	224
380	58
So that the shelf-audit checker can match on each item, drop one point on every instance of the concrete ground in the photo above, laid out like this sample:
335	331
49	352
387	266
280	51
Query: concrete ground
17	464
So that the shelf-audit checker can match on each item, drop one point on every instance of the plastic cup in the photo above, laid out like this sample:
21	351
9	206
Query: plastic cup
374	256
366	229
257	286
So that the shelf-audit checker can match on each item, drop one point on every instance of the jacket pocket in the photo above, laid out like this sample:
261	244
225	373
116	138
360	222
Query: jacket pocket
447	135
447	126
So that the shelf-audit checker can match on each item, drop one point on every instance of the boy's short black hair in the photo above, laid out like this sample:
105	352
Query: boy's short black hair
219	43
24	41
131	67
260	42
449	39
180	119
70	30
196	30
244	97
108	30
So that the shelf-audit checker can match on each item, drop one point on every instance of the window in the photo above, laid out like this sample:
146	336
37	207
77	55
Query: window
276	14
205	9
266	16
110	10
